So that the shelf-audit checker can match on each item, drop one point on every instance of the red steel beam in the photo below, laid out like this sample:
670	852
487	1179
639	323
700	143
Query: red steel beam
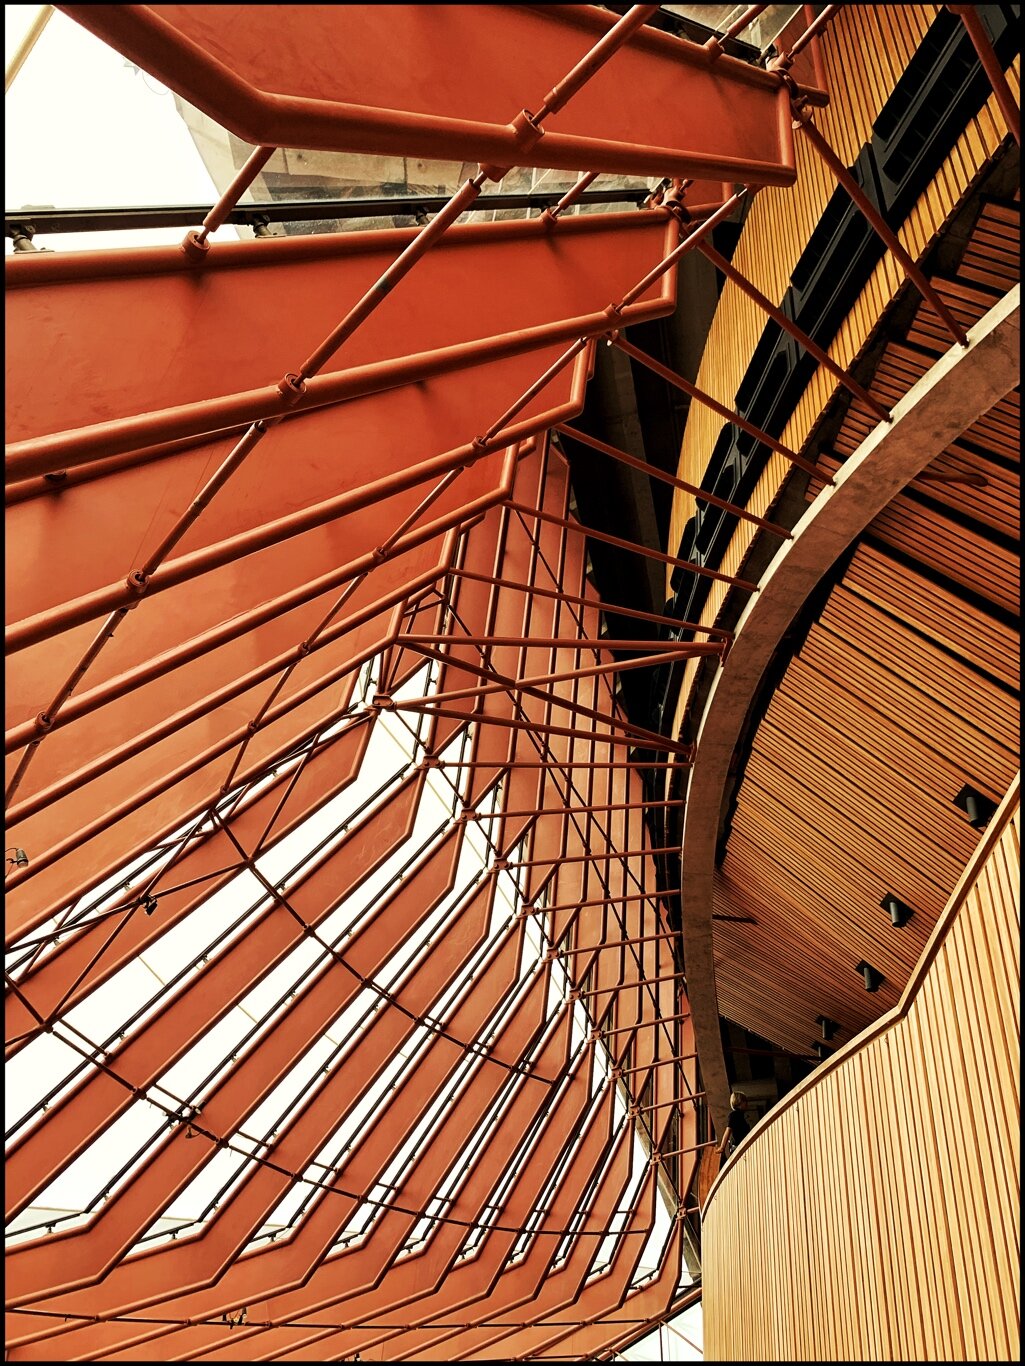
230	550
679	1100
138	581
679	1152
814	30
716	116
609	608
610	900
741	23
579	643
563	91
305	647
231	630
380	289
631	986
616	311
510	686
569	810
541	728
505	684
195	244
559	765
42	455
589	858
599	1034
571	196
658	1062
613	944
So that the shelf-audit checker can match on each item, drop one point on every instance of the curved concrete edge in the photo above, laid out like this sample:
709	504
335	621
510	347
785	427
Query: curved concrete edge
962	386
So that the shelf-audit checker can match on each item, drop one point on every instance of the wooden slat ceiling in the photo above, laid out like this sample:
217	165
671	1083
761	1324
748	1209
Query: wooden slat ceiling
904	690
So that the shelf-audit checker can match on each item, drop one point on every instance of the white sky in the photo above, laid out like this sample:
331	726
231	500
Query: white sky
84	129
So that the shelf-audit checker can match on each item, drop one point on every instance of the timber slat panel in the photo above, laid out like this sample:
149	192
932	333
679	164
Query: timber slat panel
905	1159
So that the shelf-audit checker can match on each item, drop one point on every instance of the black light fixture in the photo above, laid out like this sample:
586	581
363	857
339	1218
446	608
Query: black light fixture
899	911
822	1050
149	904
828	1026
979	809
20	859
874	979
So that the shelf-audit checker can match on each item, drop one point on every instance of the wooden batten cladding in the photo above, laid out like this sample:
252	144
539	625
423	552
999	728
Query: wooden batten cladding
876	41
874	1214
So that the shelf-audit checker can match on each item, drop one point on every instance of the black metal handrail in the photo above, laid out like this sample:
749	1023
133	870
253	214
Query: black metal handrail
38	221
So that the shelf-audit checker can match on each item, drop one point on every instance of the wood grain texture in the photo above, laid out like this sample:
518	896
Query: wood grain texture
874	1214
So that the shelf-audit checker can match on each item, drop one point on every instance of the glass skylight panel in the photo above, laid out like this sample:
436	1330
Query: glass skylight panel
218	1173
93	1174
32	1073
638	1172
651	1258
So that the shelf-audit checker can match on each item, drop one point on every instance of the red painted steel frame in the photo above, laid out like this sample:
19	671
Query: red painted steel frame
662	106
313	548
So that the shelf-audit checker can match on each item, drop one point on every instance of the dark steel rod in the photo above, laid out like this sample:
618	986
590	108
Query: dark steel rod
700	494
116	218
802	118
788	325
991	65
671	377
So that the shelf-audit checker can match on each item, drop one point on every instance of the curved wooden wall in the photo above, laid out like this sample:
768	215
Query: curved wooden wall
874	1214
875	41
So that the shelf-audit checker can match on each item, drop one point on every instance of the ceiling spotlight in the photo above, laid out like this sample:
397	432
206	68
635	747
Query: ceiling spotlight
828	1026
821	1049
20	859
979	809
874	979
899	911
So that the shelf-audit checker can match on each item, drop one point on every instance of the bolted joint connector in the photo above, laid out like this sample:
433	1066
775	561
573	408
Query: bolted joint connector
291	387
781	64
526	133
527	130
384	701
43	722
302	649
137	581
194	248
678	209
799	107
379	554
480	446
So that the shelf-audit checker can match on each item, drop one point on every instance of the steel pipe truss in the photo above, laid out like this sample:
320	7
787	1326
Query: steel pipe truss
345	1010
